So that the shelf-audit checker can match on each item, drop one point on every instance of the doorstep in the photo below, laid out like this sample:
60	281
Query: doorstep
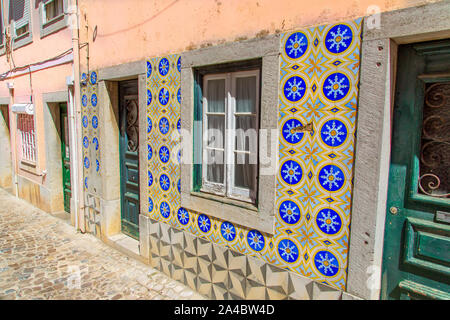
126	245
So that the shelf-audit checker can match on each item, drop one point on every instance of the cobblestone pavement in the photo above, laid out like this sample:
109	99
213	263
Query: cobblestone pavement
43	257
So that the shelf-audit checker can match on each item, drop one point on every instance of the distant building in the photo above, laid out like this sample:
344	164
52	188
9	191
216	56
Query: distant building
249	149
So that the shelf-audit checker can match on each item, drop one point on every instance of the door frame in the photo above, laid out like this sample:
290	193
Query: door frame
108	89
374	125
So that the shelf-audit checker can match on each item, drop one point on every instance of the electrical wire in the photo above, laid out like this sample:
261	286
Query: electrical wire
5	75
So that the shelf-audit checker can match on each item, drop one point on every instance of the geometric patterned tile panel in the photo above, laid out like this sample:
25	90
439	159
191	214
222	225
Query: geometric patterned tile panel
319	80
221	273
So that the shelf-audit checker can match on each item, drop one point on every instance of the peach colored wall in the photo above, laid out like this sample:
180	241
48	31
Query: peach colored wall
43	81
134	30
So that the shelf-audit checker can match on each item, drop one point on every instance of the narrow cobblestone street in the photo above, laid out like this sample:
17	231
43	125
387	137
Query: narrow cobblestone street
42	257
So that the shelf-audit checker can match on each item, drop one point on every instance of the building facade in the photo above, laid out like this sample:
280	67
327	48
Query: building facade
251	150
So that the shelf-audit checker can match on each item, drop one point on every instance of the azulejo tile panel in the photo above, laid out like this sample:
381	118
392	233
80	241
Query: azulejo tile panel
319	74
90	123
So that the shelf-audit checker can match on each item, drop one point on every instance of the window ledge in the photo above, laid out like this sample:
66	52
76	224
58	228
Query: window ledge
241	213
53	25
23	40
28	166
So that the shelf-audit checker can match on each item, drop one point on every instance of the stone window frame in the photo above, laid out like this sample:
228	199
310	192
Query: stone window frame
373	142
54	25
27	37
267	49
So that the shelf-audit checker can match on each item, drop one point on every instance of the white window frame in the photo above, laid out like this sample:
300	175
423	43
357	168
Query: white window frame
228	188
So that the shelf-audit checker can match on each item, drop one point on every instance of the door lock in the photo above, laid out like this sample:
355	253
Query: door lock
393	210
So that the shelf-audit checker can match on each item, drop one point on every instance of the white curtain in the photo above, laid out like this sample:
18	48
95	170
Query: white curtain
216	130
246	133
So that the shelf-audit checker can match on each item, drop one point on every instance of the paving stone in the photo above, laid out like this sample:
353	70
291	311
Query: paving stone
42	257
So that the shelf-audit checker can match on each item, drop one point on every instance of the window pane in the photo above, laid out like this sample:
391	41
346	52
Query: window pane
246	94
216	95
244	172
246	134
216	131
215	166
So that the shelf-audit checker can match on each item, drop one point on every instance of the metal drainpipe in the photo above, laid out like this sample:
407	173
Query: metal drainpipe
76	120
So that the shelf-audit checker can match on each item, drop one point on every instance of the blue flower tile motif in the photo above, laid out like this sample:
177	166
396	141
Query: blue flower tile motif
85	121
326	263
149	124
85	142
338	38
296	45
93	77
150	204
328	221
179	125
164	96
179	64
83	78
95	122
331	178
204	223
336	86
164	154
294	89
228	231
149	69
288	251
289	212
86	162
164	209
163	66
95	142
150	178
97	165
183	216
86	183
288	132
255	240
94	100
164	182
164	125
179	185
84	100
333	133
179	95
149	97
291	172
150	152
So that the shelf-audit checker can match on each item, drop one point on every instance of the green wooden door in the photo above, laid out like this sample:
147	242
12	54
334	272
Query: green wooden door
416	258
129	157
65	155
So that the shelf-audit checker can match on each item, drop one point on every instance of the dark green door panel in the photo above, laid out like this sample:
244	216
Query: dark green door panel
65	155
129	157
416	256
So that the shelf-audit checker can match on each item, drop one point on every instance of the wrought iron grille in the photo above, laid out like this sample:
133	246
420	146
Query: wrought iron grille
434	178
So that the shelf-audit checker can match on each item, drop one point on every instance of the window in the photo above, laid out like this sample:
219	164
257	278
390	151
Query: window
25	126
19	12
230	132
226	88
52	9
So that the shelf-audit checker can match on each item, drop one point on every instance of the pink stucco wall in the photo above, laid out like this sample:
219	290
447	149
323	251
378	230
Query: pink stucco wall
51	79
138	29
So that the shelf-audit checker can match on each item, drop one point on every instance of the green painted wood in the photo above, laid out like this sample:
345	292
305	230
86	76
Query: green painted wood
415	255
129	157
65	155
